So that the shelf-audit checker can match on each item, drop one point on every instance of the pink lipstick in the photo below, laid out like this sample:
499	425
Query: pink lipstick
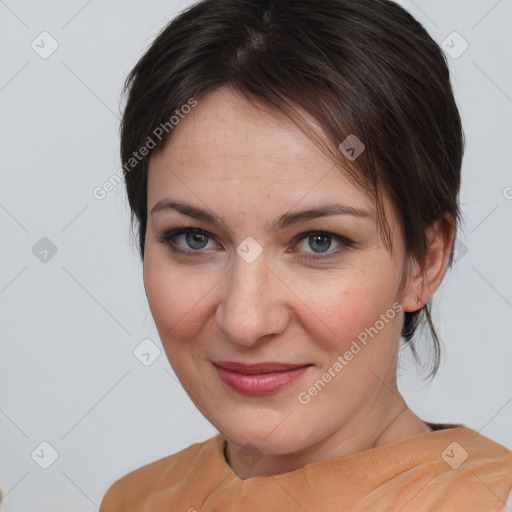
259	378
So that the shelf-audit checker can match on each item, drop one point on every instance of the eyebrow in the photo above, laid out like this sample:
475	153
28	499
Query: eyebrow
282	222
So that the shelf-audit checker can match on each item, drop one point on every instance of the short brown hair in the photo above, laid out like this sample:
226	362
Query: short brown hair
365	68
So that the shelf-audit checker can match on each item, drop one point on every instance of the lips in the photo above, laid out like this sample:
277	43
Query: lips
258	368
260	378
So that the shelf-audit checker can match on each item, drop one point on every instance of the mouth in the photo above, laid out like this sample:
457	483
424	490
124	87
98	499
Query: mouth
259	378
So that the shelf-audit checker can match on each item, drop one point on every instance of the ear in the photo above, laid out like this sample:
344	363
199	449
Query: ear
440	237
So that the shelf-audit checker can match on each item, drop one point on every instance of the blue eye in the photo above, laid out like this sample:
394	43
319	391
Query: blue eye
195	240
322	240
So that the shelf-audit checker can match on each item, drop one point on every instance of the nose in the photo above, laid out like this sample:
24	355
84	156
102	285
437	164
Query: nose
252	302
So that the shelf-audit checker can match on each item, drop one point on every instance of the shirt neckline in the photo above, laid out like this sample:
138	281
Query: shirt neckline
379	456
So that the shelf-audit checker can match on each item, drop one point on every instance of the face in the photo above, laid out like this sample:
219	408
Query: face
242	286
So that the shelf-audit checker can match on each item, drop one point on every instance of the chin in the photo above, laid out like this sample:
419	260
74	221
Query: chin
271	441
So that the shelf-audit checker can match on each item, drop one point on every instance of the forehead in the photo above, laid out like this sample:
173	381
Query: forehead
226	139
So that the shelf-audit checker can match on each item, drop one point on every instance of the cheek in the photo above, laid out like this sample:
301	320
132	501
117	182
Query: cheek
343	306
177	296
356	324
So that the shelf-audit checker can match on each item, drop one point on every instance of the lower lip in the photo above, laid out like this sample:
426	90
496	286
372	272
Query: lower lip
260	384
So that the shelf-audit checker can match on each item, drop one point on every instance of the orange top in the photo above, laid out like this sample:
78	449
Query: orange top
452	468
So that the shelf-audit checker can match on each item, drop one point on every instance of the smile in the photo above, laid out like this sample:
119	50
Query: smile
246	381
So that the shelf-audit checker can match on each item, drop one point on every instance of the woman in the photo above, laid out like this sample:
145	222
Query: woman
294	170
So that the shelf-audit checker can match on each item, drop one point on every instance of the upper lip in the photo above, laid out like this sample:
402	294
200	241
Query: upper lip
255	368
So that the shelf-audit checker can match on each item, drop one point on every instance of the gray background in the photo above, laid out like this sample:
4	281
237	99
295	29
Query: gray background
69	324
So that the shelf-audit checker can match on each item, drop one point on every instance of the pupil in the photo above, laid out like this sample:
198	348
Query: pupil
321	237
193	239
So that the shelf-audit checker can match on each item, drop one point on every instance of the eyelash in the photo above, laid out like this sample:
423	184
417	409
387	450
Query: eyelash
168	239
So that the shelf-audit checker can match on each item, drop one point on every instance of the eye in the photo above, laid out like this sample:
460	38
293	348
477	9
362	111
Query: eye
193	240
320	242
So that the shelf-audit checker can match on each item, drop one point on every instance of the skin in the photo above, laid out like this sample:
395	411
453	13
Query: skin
250	166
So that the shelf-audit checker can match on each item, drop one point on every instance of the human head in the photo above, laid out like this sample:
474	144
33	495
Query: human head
365	68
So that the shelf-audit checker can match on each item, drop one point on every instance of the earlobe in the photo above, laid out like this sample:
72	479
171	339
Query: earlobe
413	296
425	281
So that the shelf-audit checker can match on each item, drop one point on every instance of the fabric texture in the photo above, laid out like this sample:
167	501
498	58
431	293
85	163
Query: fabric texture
451	468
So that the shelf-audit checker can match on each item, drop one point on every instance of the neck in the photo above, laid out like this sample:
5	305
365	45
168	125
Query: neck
373	426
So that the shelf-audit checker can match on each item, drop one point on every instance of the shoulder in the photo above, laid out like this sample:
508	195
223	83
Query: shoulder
131	490
475	450
448	469
467	469
460	445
